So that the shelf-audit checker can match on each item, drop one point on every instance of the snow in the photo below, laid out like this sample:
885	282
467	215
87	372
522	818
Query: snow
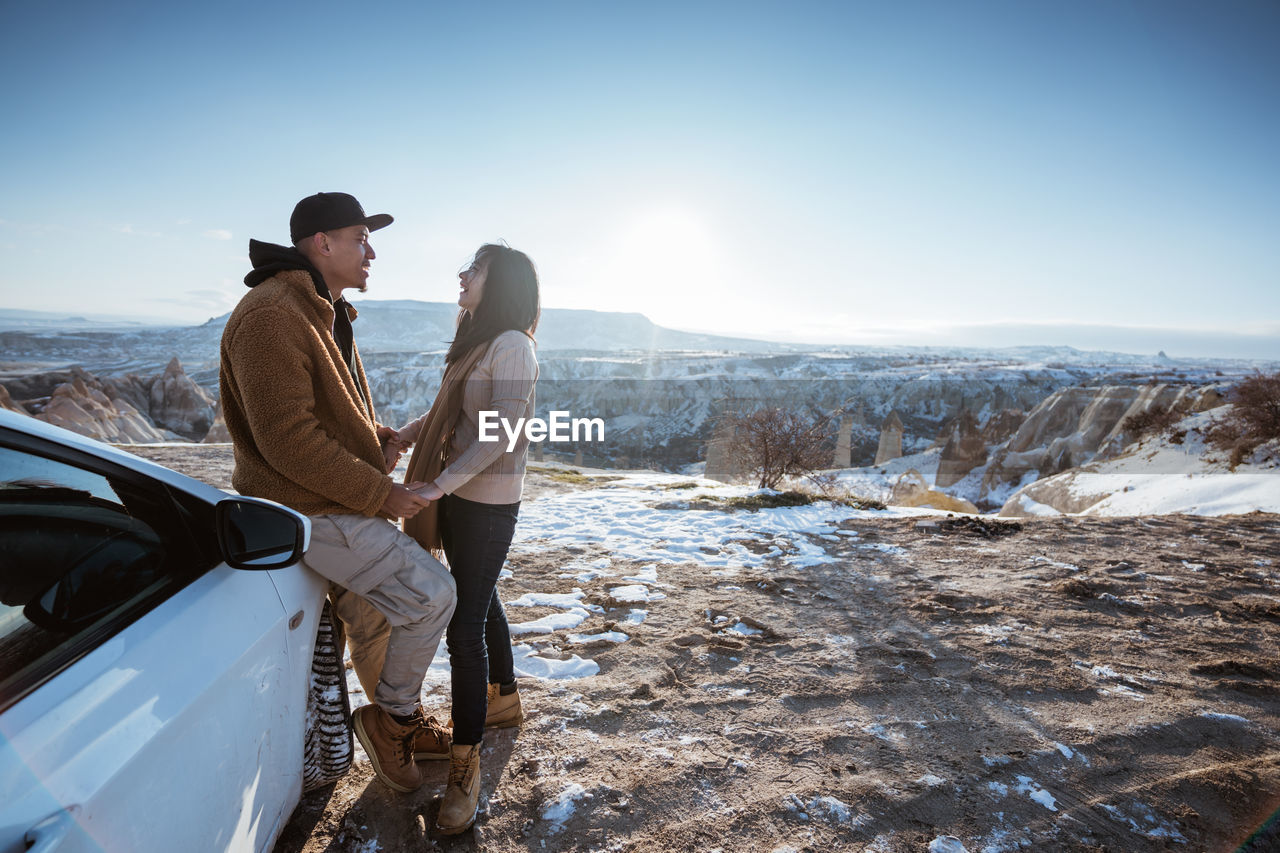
626	521
1193	494
634	617
832	809
609	636
560	808
1035	792
1142	820
946	844
553	622
1031	507
1226	717
530	665
634	594
566	600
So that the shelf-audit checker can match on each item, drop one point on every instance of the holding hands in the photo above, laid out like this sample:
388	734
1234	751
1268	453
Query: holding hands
404	501
393	446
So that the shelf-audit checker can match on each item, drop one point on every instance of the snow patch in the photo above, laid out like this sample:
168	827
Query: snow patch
1036	793
560	808
946	844
554	622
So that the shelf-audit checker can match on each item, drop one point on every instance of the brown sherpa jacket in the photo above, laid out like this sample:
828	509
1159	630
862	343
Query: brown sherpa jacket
303	436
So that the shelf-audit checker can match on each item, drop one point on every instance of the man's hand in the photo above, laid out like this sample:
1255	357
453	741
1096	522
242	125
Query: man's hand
393	446
404	502
391	453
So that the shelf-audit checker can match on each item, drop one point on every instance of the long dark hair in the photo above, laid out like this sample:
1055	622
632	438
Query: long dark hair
509	300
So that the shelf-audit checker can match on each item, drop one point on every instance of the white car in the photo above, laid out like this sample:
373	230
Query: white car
157	645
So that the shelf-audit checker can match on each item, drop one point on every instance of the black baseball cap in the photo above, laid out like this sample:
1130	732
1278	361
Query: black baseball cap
329	212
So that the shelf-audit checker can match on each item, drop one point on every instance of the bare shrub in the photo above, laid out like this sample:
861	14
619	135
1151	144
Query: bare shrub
776	443
1154	421
1253	420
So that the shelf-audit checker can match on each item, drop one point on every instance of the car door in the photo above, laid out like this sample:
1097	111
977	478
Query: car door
141	680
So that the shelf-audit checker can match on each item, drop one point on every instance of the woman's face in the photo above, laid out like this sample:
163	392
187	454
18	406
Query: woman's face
471	282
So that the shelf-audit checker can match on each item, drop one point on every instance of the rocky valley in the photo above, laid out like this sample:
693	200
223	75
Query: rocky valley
993	420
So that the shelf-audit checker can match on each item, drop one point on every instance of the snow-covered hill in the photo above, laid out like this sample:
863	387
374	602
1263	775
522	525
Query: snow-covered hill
1175	473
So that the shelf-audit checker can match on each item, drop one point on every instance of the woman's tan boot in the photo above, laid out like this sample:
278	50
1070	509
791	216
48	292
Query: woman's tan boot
504	710
462	795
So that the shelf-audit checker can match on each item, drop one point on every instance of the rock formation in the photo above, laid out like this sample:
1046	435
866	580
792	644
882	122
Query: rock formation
171	400
82	406
123	409
724	457
964	450
1075	425
890	439
179	404
218	431
912	490
6	402
1002	425
844	443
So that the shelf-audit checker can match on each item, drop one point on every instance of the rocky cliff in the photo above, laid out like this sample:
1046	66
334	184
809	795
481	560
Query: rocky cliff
128	409
1172	471
81	405
1076	425
659	408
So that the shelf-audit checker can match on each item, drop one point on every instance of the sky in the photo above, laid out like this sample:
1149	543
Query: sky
1100	174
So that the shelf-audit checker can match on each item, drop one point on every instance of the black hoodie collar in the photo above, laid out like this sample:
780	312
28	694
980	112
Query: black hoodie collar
270	258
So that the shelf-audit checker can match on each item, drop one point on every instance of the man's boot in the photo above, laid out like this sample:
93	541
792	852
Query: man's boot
389	745
462	795
432	740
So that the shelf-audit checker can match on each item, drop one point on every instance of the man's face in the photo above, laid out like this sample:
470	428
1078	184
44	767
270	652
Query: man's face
348	260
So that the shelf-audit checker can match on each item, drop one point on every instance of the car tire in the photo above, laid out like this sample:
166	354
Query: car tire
328	747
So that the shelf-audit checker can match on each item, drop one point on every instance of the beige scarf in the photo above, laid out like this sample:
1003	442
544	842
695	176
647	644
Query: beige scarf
431	451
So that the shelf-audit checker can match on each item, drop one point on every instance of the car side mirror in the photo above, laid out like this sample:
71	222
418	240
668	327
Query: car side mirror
259	534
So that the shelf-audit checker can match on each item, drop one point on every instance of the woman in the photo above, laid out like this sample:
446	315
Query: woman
475	488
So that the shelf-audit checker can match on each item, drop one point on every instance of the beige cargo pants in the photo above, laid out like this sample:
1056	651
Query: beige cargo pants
394	600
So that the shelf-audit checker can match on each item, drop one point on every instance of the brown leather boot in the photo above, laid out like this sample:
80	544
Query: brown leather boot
462	795
432	741
389	746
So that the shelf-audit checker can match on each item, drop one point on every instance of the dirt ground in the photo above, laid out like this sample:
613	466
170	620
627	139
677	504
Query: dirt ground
1060	684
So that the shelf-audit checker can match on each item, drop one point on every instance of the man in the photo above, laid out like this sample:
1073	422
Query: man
297	405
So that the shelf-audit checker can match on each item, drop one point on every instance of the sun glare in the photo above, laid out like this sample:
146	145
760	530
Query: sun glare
669	260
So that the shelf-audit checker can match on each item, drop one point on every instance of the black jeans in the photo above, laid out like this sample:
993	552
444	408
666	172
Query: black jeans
476	538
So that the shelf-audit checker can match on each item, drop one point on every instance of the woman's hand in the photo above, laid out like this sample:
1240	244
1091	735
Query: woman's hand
430	491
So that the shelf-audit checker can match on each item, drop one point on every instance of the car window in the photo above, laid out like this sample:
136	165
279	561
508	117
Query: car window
82	554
